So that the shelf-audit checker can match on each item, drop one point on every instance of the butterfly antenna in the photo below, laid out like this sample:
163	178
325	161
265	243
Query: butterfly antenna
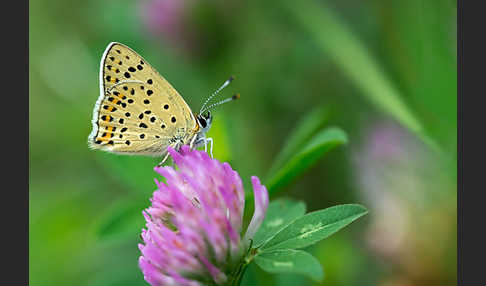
234	97
225	84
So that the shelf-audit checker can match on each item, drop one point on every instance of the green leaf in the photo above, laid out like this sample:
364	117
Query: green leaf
280	213
290	261
426	38
308	126
315	226
307	156
338	41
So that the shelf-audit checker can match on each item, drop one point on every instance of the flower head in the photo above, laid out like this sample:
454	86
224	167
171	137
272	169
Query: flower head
193	227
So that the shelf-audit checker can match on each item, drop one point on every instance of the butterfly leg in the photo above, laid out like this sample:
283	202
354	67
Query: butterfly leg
163	160
191	145
210	148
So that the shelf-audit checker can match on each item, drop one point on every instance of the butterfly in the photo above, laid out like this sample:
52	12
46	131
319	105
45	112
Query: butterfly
139	113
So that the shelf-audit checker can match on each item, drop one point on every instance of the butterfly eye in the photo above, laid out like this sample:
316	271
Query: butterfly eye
202	122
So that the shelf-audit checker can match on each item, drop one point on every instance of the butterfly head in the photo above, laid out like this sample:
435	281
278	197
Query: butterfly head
204	120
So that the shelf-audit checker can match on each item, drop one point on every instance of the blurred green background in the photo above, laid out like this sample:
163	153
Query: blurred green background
382	71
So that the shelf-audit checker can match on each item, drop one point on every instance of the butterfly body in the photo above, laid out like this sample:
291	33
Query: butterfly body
138	112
